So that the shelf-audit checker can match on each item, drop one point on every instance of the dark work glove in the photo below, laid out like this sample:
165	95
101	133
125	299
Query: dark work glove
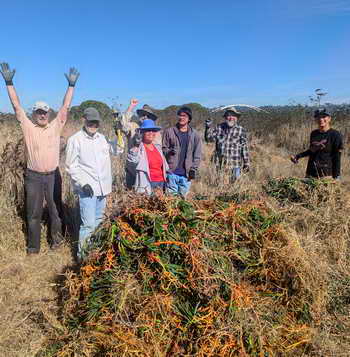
137	139
294	159
192	174
117	126
7	73
208	123
246	168
72	77
88	191
172	151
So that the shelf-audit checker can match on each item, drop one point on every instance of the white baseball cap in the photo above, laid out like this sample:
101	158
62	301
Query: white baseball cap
41	105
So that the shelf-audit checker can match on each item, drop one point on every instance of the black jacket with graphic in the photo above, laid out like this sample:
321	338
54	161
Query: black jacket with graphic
324	154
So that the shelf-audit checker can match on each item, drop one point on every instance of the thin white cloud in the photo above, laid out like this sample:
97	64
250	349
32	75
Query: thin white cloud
301	8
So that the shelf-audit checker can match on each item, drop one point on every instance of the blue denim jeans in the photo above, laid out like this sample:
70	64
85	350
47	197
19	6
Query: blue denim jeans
157	185
91	214
236	173
178	185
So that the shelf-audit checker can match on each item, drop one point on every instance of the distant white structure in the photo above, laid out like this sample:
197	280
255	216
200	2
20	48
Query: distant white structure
224	107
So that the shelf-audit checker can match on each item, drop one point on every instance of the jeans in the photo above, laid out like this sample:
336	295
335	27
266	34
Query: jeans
236	174
157	185
37	187
91	214
178	185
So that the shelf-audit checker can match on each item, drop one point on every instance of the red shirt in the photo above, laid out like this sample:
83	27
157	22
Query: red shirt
155	164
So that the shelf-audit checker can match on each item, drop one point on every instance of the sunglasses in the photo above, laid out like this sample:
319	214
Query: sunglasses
92	124
40	112
150	131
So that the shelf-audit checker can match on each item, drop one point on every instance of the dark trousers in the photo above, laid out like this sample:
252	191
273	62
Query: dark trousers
130	178
39	186
57	196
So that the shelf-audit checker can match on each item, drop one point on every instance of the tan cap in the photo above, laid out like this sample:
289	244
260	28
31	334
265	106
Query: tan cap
233	111
41	106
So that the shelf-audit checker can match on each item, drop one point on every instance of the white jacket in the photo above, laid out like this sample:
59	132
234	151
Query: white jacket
88	161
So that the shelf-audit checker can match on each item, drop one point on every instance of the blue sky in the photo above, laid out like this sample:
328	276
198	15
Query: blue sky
161	52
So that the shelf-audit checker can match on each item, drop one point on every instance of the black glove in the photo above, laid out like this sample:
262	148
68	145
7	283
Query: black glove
246	168
294	159
88	191
72	77
7	73
172	151
117	126
137	139
208	123
192	174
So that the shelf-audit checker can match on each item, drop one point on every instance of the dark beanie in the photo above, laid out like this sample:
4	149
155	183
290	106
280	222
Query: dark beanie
186	110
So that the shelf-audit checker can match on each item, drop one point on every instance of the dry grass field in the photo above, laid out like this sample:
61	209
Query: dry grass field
31	299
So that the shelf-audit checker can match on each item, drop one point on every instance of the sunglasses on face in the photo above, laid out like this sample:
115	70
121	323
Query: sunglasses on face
40	112
92	124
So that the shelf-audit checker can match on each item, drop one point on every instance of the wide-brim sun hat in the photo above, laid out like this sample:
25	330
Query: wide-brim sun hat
233	111
146	110
148	124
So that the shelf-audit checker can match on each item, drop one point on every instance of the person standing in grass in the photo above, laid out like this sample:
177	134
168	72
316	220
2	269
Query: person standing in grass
147	162
88	163
130	126
231	144
324	153
42	140
182	147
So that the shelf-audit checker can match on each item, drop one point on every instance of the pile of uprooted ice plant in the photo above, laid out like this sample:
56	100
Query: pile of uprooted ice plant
168	277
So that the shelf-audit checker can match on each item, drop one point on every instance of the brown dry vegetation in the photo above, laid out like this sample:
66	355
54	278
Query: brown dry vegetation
316	226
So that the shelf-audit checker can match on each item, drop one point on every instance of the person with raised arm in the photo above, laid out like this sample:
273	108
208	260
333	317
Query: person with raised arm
42	140
130	124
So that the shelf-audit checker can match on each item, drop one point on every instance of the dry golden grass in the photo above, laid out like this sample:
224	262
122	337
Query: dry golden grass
29	299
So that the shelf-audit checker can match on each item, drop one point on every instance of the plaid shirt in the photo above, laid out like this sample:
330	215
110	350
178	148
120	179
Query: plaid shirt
231	144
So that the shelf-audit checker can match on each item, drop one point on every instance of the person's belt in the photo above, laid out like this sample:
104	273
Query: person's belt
42	173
